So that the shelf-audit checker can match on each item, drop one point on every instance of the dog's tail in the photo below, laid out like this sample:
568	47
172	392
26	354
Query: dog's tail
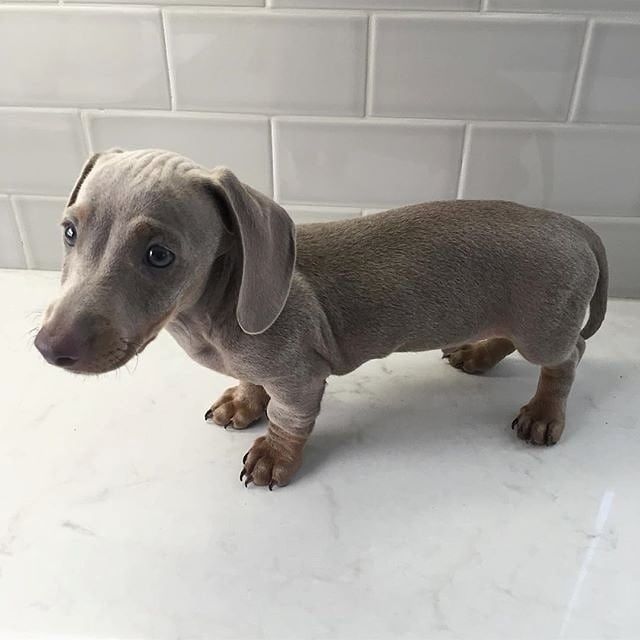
598	304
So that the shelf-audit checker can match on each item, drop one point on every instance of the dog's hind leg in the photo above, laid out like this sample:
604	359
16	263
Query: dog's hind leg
239	406
541	420
479	357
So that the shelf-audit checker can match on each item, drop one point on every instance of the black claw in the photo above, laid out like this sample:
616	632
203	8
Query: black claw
248	480
242	474
514	423
271	485
208	415
246	455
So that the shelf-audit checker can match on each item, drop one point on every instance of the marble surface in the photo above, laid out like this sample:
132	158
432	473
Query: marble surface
417	513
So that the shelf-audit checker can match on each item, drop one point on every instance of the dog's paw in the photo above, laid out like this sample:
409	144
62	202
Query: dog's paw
238	407
271	462
539	425
470	358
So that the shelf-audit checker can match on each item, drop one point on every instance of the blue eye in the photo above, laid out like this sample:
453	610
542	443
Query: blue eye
159	256
70	234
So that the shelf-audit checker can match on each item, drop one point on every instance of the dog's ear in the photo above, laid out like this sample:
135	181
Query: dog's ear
267	236
86	170
89	164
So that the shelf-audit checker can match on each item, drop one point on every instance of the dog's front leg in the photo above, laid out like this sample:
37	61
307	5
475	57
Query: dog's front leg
274	459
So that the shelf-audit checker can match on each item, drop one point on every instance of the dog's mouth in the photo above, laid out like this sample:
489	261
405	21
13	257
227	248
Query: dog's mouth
110	358
91	344
105	359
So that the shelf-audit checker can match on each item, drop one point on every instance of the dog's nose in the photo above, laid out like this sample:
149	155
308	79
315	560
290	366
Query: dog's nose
60	350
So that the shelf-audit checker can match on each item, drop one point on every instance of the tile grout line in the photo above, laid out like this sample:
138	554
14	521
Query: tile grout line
580	72
464	160
272	141
619	16
84	123
167	59
368	68
33	196
336	207
26	247
305	117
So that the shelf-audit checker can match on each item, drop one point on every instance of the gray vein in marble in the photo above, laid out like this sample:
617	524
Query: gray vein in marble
333	509
78	528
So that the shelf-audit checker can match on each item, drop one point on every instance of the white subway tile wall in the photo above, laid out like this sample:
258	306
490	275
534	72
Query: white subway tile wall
365	162
610	91
308	214
601	6
433	5
243	143
39	223
576	169
268	62
338	108
217	3
41	151
11	248
620	236
475	67
96	57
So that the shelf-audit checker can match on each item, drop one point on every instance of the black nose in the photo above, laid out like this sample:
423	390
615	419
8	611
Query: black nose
60	350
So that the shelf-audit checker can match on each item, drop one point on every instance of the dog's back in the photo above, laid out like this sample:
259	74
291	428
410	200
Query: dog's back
442	273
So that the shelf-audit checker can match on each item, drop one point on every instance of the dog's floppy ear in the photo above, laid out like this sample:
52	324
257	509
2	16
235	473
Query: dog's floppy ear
267	235
86	170
89	164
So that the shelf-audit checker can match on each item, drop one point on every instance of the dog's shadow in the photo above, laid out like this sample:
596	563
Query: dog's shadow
382	407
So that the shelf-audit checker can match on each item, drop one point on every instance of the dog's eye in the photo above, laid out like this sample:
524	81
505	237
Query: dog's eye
70	233
159	256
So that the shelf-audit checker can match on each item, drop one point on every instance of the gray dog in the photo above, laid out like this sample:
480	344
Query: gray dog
154	240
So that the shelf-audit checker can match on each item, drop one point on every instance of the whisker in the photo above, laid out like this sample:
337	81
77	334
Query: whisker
30	333
29	336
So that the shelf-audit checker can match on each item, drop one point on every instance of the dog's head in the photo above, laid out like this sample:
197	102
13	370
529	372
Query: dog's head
142	230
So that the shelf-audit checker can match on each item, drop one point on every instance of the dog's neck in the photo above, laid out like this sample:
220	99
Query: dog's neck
220	296
208	329
214	308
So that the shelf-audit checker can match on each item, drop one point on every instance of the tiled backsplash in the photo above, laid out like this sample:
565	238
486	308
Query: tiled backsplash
336	108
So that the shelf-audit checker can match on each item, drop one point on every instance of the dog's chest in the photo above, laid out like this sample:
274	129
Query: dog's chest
210	357
194	338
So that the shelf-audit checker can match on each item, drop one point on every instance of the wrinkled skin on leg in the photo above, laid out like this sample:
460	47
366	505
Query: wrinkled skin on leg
274	458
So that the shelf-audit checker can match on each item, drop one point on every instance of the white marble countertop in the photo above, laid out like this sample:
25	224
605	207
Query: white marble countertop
417	514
